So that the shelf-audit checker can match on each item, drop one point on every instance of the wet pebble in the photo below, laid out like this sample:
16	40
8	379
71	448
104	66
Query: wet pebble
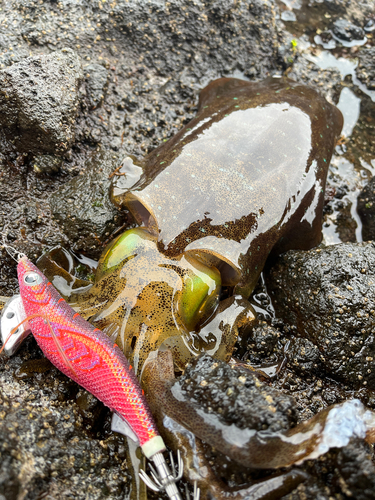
262	344
347	31
47	164
303	356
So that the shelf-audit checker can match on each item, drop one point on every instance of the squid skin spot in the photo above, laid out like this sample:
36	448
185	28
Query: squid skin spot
96	330
130	367
60	300
75	315
49	283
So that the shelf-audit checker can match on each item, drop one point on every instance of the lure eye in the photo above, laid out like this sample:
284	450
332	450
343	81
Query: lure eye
32	279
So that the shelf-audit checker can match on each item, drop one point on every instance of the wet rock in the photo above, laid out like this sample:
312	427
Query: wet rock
169	38
328	82
356	11
366	210
47	164
347	31
304	357
83	208
355	470
366	70
262	344
232	394
329	294
96	77
342	473
369	26
38	101
33	213
47	449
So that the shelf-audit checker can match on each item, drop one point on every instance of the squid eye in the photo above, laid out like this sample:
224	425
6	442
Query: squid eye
124	247
200	293
32	278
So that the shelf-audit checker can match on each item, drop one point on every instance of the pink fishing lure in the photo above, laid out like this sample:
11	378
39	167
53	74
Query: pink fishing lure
85	354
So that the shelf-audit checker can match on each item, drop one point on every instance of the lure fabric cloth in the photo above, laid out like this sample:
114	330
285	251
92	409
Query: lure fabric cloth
85	354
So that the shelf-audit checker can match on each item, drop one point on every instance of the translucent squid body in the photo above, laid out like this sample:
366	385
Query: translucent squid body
242	180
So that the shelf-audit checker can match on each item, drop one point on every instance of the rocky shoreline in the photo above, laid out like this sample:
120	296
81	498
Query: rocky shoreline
84	83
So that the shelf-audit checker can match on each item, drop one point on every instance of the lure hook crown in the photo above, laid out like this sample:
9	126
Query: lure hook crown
165	480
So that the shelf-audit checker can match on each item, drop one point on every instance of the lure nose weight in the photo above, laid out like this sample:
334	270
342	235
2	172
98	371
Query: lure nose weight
87	355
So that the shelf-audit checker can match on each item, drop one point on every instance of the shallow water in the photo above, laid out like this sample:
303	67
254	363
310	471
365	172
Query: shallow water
352	166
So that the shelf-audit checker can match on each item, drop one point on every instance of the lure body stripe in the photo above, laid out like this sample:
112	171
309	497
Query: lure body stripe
98	365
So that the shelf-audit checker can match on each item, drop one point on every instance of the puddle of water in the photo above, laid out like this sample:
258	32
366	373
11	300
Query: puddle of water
326	60
342	172
352	43
349	105
331	44
292	4
288	15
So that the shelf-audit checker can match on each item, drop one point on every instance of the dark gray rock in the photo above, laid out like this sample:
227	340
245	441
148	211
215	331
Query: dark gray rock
329	295
83	208
356	471
350	467
366	210
347	31
97	78
262	344
48	447
236	396
47	164
366	69
369	26
38	101
304	357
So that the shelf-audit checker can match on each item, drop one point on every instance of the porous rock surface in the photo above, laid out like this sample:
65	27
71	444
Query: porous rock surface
82	206
328	294
143	65
366	210
39	101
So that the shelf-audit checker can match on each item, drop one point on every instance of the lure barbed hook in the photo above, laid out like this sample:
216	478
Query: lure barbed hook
165	479
196	492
